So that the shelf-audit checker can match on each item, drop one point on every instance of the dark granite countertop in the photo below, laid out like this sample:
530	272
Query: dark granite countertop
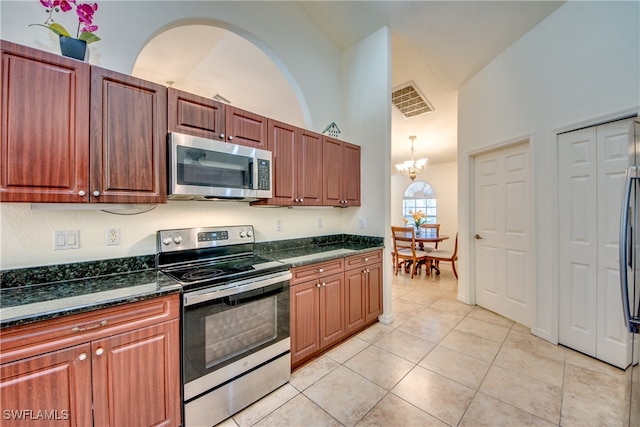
31	303
311	255
40	293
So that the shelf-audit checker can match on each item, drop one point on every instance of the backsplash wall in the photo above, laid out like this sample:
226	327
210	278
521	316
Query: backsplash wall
27	234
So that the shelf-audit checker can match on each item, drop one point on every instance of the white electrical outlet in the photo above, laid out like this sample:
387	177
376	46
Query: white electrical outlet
278	225
319	222
112	237
362	223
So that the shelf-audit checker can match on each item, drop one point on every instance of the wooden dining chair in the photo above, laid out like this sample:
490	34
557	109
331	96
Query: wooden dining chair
436	256
431	226
404	250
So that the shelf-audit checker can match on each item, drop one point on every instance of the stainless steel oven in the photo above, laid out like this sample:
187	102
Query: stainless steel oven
235	319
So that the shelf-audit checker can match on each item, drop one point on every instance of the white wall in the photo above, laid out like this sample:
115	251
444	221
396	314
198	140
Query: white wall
443	178
578	67
318	68
367	84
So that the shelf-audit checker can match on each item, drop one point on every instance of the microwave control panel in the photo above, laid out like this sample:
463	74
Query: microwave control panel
264	174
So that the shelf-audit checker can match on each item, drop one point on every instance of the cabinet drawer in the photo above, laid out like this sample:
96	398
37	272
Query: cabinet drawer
314	271
363	259
27	340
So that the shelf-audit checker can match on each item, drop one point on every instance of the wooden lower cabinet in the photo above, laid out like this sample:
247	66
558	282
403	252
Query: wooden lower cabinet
126	379
325	309
318	309
363	290
52	389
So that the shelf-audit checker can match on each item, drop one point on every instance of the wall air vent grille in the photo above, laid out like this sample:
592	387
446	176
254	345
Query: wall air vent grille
408	99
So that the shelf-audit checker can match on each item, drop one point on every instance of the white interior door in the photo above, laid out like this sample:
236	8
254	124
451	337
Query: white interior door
578	235
591	168
612	337
503	267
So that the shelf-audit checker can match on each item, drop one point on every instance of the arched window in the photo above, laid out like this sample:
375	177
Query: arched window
419	196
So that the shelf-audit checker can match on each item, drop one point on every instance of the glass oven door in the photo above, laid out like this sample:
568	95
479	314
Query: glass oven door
222	327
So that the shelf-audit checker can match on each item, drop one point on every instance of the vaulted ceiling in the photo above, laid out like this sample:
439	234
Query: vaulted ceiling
437	45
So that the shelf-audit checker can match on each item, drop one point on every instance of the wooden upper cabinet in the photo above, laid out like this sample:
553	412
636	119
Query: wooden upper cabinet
297	165
72	132
245	128
44	148
351	174
128	139
195	115
341	181
309	168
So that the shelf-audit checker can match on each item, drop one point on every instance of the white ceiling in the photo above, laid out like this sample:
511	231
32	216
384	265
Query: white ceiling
436	44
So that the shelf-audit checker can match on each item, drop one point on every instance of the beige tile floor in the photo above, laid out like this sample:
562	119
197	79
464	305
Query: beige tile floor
444	363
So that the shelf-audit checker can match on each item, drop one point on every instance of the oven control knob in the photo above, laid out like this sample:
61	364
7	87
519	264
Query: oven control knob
167	240
243	233
177	239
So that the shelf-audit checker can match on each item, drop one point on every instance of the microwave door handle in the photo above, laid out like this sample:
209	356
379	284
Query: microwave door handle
253	174
626	255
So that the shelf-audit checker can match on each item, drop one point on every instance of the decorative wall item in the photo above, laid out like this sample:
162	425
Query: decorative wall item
332	130
73	47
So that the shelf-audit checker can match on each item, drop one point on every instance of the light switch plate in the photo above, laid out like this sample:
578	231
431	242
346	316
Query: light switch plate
66	239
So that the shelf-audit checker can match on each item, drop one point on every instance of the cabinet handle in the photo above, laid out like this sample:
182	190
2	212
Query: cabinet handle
221	136
82	356
96	193
366	259
321	270
230	138
81	193
301	200
99	351
86	328
324	284
317	285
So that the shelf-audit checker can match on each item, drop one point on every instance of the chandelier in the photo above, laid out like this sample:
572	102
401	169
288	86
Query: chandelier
412	167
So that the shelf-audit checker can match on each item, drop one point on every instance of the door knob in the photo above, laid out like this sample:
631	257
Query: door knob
478	237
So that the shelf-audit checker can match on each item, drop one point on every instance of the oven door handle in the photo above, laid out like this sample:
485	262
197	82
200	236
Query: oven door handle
203	295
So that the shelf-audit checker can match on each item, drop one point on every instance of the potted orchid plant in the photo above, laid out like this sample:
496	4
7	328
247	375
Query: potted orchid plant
85	31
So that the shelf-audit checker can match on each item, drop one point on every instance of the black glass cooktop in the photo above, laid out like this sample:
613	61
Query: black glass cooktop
212	272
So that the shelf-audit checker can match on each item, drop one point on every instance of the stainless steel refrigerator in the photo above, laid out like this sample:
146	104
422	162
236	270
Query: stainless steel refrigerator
630	266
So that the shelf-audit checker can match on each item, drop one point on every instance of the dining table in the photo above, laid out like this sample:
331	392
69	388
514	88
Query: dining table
427	235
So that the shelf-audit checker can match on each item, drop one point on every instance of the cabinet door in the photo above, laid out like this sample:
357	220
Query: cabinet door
332	172
373	299
341	169
195	115
49	389
309	168
355	299
245	128
332	323
297	166
136	377
128	139
282	144
44	148
351	174
305	320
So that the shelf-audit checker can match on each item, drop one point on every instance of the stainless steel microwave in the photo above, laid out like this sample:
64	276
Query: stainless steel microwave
204	169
